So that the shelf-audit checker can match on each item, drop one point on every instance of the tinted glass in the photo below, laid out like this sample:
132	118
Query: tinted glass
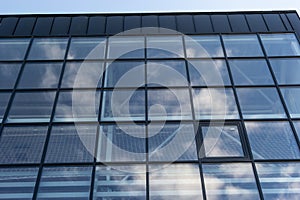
286	70
291	97
4	98
297	127
164	47
13	49
126	47
8	75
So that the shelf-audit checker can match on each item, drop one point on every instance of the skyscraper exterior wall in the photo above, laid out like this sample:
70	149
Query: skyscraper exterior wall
150	106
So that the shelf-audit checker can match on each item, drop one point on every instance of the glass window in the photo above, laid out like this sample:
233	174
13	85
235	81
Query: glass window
297	127
48	49
125	74
40	75
291	97
86	74
203	46
65	183
122	142
169	104
171	142
242	45
221	141
176	181
123	182
17	183
123	105
208	73
286	70
214	103
77	105
4	98
70	143
260	103
272	140
31	107
279	180
175	71
87	48
8	75
164	47
126	47
13	49
230	181
22	144
250	72
281	44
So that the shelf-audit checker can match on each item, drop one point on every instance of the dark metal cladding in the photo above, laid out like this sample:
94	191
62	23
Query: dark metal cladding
79	25
61	26
220	23
238	23
43	26
274	22
256	23
185	24
8	25
96	25
25	26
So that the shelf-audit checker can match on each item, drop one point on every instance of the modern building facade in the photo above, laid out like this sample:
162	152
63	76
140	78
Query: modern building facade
185	106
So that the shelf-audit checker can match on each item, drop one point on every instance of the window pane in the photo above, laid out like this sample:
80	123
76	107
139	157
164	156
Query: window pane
87	48
40	75
291	97
31	107
77	106
286	70
169	104
164	47
272	140
122	142
125	74
208	73
297	127
65	183
214	103
69	143
222	141
13	49
123	105
126	47
203	46
176	181
260	103
279	180
126	183
22	144
171	142
17	183
48	49
230	181
250	72
8	75
242	45
4	98
175	71
82	75
281	44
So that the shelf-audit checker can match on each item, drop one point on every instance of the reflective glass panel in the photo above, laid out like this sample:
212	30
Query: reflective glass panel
176	181
272	140
122	142
221	141
125	74
214	103
17	183
230	181
4	98
86	48
208	73
203	46
168	104
31	107
69	143
164	47
13	49
250	72
126	47
297	127
86	74
48	49
120	182
291	97
242	45
279	180
281	44
22	144
286	70
65	183
8	74
40	75
171	142
260	103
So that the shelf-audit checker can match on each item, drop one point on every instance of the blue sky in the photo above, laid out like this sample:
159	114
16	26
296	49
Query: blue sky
103	6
